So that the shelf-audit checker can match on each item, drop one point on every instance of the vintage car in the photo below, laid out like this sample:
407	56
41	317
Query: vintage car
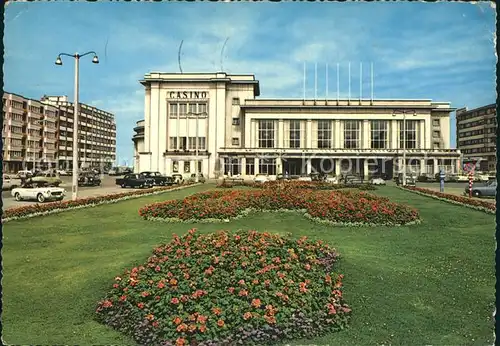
158	179
45	179
40	194
89	179
11	181
488	189
63	172
410	180
352	179
178	178
201	178
305	178
377	181
135	180
261	178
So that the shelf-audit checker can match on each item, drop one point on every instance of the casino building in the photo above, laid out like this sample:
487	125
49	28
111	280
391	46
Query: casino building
215	122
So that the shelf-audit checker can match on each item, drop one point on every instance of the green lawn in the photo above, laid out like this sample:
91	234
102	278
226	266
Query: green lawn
431	283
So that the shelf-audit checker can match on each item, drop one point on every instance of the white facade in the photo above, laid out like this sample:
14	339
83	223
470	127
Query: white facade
239	134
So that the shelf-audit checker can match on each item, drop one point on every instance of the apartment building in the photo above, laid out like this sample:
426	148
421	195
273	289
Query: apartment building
96	134
215	124
476	136
39	134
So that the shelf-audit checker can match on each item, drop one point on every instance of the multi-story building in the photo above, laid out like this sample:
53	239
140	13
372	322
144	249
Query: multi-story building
38	134
476	136
96	134
213	123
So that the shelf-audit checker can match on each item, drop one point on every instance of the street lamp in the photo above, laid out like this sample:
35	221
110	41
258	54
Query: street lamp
404	112
95	60
196	144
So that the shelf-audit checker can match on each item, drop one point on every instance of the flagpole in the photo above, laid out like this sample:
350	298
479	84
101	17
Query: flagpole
304	85
349	95
326	81
338	84
315	81
360	81
371	81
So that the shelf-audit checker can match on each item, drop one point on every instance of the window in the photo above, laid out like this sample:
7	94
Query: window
379	134
182	143
235	141
173	110
192	143
410	133
202	143
202	108
236	101
192	108
187	167
182	109
173	143
232	166
266	134
267	166
435	122
324	134
250	166
294	134
435	134
236	121
351	134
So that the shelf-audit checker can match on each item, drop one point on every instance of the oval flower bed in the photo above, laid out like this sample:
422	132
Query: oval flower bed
39	209
333	207
314	185
228	288
454	199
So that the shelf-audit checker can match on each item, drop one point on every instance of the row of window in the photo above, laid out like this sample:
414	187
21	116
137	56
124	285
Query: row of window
352	134
478	123
478	141
479	150
476	113
183	109
187	143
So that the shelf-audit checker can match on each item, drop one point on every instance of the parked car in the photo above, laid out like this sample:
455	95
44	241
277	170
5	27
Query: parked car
114	172
178	178
89	179
488	189
11	181
352	179
201	178
305	178
25	174
410	180
158	179
377	181
40	194
134	180
260	178
462	178
45	179
63	172
331	180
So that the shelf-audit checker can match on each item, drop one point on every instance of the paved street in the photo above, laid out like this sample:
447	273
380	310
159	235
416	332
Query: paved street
108	186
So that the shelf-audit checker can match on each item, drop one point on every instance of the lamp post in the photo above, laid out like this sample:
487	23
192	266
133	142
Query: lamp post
196	179
95	60
404	112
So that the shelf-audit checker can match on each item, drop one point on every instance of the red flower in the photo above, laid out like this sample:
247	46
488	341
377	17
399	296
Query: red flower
140	305
220	323
174	301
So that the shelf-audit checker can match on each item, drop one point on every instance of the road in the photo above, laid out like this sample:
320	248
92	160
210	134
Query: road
107	187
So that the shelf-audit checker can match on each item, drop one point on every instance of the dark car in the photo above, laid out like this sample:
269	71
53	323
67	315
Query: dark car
89	179
159	180
351	179
135	180
410	180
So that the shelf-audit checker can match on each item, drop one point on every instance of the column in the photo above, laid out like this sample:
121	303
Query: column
279	168
340	133
309	133
248	131
428	133
394	135
457	166
366	135
336	134
193	166
436	166
366	169
423	167
181	166
256	166
308	166
243	163
281	135
337	168
421	129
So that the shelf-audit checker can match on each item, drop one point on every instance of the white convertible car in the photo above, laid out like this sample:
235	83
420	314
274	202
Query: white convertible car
40	194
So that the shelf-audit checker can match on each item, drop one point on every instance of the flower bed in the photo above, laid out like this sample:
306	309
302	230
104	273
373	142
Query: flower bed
464	201
314	185
228	288
39	209
334	207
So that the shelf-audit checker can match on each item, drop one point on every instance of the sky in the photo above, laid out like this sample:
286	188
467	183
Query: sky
439	51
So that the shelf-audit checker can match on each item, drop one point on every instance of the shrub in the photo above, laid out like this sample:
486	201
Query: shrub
464	201
337	207
314	185
228	288
52	207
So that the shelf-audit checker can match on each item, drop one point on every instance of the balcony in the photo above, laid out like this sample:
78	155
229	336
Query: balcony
15	122
19	135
